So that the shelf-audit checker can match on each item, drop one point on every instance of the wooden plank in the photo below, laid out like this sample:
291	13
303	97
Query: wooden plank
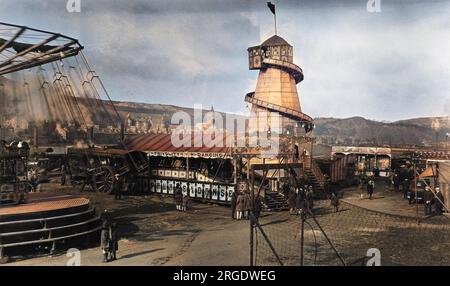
51	239
276	166
48	229
46	219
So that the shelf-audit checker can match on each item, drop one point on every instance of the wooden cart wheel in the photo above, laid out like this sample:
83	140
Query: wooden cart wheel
104	180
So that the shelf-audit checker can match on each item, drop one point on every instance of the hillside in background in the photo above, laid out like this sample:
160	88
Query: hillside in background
17	109
333	131
361	131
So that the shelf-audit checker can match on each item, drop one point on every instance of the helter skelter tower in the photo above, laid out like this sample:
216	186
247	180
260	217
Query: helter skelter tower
275	102
276	90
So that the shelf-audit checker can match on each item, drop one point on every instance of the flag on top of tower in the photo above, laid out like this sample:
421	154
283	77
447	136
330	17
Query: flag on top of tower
271	7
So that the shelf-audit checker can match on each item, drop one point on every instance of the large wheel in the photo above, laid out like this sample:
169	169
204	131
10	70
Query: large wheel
104	180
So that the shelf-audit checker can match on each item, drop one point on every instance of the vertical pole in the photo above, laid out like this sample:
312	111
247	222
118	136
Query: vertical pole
275	16
187	178
279	176
415	189
251	213
302	236
248	172
235	162
187	167
251	240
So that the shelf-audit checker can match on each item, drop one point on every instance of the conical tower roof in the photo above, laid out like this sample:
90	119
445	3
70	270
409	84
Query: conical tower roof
275	41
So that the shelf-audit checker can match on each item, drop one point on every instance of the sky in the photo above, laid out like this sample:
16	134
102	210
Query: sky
390	65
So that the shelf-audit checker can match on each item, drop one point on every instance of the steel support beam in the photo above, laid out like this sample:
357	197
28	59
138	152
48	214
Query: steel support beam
18	34
30	49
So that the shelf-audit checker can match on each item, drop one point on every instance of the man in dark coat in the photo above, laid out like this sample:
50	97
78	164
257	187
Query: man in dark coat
396	182
178	197
335	201
114	241
105	241
63	174
370	187
233	204
292	200
438	202
405	186
119	185
300	201
428	199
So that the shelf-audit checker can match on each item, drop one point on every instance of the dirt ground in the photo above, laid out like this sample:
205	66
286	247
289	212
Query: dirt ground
154	233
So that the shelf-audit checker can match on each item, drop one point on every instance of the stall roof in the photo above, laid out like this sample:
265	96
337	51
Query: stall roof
162	145
433	155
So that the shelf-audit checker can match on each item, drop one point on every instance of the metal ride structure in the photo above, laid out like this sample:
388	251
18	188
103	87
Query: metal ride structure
54	82
24	48
70	93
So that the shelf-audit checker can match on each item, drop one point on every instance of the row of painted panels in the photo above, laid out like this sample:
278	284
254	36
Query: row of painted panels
181	174
196	190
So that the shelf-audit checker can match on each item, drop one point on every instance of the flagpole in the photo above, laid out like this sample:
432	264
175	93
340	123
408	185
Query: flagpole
275	16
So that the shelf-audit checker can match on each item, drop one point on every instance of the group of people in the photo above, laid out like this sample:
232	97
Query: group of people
181	200
302	199
242	205
109	241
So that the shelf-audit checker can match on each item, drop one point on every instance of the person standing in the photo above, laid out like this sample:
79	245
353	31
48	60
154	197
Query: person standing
439	202
370	188
396	182
178	197
428	198
335	201
405	186
239	206
185	202
105	242
63	174
233	204
300	201
114	241
118	185
292	201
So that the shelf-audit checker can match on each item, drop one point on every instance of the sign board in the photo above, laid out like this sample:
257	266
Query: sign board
212	192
